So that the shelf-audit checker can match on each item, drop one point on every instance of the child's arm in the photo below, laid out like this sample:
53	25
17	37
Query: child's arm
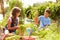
39	19
46	26
11	28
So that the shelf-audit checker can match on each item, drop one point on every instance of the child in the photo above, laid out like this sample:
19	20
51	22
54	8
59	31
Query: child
13	21
44	19
27	20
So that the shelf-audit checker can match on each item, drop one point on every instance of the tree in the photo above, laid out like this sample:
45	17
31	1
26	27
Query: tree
2	6
58	1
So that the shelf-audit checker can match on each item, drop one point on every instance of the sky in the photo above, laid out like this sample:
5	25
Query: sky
26	3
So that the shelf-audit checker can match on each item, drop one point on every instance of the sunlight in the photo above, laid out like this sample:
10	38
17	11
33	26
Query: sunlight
31	2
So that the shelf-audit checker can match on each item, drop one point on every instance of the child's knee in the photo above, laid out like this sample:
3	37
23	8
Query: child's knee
3	38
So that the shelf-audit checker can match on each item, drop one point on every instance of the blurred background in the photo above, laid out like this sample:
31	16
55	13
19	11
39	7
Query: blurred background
33	8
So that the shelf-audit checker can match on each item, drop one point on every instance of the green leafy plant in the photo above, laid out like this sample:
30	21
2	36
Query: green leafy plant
21	30
15	37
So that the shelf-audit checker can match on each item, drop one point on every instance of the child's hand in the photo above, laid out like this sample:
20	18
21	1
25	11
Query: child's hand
47	29
16	27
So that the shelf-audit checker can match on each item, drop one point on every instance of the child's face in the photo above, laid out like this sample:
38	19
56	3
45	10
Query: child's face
46	14
17	14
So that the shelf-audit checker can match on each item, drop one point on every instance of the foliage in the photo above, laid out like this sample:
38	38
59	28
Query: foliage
50	34
54	8
15	37
21	30
13	3
4	21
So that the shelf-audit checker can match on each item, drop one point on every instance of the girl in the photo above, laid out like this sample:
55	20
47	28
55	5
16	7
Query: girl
13	21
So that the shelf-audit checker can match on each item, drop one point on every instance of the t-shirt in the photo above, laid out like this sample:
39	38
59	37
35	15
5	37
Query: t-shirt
43	21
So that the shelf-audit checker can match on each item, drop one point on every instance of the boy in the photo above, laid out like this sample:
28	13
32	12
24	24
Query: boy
44	19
